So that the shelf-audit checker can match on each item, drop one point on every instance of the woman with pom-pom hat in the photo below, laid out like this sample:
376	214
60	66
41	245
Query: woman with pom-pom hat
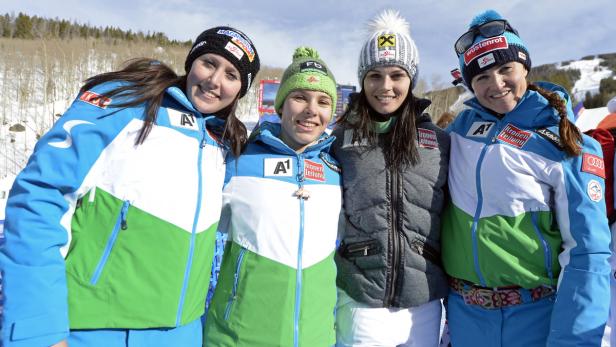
525	237
394	167
281	206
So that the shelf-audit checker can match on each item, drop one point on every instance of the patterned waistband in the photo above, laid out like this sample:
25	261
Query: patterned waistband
493	298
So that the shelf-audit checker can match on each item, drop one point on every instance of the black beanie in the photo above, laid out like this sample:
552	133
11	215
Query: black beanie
234	46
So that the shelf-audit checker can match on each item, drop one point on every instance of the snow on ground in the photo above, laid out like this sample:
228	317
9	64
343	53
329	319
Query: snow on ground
591	73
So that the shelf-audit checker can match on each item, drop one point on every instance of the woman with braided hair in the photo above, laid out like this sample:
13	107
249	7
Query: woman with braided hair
525	238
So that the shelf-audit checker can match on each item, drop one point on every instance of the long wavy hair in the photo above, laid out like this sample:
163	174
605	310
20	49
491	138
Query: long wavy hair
147	80
569	134
400	147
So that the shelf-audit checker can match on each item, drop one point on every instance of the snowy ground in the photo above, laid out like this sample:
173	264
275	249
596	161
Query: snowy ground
591	73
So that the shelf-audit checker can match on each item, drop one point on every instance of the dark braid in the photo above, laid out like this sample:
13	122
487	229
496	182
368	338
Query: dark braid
570	135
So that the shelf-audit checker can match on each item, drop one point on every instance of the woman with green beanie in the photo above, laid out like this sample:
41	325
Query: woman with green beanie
281	206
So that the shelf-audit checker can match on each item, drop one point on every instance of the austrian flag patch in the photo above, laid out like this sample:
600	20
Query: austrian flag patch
314	171
427	138
593	164
514	136
95	99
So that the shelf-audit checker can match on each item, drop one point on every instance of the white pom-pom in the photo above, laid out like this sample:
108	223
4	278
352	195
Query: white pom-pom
389	20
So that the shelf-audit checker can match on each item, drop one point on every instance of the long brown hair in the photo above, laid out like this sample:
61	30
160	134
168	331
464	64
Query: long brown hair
146	82
569	134
400	143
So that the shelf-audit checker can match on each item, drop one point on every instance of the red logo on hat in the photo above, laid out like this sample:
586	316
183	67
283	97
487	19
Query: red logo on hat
593	164
314	171
95	99
485	46
313	79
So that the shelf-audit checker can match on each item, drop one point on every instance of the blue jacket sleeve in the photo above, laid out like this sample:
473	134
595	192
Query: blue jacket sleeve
38	217
582	300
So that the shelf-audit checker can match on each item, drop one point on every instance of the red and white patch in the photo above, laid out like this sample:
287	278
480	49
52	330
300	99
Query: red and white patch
485	46
522	56
235	50
514	136
95	99
486	60
314	171
595	193
387	54
427	138
593	164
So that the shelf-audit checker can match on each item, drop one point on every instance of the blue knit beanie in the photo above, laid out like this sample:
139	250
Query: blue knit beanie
486	53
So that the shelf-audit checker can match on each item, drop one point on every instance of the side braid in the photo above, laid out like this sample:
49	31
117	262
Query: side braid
570	135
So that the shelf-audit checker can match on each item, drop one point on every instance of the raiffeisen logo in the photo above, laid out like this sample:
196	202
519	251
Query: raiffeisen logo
485	46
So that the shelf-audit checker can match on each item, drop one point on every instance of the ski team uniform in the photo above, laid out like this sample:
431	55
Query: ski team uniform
529	222
277	284
111	239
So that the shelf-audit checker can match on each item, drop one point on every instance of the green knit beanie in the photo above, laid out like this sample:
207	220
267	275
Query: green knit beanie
308	72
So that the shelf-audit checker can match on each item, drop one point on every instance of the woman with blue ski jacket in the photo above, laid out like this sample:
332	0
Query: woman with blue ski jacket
110	227
281	206
525	237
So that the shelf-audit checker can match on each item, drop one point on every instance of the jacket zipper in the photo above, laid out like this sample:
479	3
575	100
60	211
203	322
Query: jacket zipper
546	247
395	242
300	247
480	205
193	233
233	296
121	223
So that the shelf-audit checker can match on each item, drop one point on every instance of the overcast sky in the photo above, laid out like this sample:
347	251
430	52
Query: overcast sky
552	30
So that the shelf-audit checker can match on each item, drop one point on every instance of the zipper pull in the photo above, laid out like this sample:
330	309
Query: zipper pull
124	213
302	193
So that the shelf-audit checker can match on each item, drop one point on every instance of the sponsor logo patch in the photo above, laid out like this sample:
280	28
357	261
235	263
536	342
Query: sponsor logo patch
486	60
312	66
277	167
181	119
521	55
95	99
595	193
239	41
198	45
514	136
312	79
235	50
550	136
387	54
314	171
387	40
480	129
427	138
593	165
485	46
